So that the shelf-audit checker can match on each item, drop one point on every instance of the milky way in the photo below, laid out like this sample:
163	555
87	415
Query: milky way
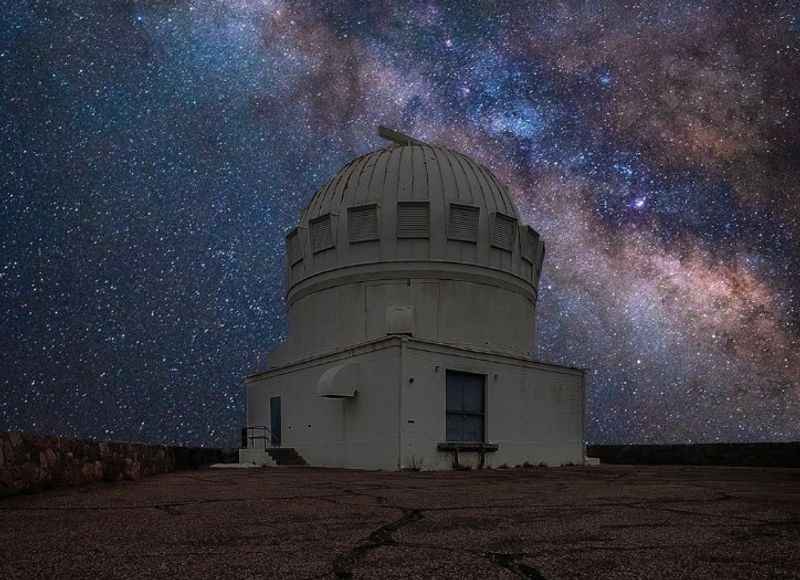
154	153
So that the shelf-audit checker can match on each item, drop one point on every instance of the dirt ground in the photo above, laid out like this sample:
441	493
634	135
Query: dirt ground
566	522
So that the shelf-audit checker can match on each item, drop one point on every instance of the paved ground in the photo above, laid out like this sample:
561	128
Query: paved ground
568	522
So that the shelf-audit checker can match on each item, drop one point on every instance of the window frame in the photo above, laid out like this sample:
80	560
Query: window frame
484	400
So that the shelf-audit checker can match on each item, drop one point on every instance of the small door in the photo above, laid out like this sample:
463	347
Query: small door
275	421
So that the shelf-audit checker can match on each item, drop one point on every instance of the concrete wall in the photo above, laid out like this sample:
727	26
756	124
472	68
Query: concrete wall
751	454
454	303
30	463
352	432
534	412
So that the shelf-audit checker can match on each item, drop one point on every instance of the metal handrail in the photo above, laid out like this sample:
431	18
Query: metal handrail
266	435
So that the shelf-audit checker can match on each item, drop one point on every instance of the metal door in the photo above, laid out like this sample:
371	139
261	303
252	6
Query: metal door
275	421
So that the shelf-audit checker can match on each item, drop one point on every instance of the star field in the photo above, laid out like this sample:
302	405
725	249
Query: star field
154	153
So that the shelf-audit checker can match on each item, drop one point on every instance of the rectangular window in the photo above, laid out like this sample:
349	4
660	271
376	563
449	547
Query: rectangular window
463	223
362	223
294	251
530	245
321	233
503	231
466	409
413	219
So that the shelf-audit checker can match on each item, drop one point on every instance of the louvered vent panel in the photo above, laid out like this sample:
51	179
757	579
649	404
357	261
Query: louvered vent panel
293	247
530	245
362	223
503	231
321	233
413	220
541	261
463	223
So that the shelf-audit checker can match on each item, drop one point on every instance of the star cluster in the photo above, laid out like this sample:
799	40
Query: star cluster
155	152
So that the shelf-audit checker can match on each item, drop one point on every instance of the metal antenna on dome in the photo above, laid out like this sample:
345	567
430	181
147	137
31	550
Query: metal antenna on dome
398	137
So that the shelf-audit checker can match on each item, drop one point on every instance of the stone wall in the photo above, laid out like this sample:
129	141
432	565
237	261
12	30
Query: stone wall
30	463
744	454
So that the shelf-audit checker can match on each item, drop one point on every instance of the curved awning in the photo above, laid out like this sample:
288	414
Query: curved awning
341	381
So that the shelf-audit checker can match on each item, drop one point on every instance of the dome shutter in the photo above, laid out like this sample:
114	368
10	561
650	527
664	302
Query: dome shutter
463	223
413	219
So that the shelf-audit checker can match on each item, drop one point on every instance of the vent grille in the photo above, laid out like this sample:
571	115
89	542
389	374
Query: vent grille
503	231
293	246
321	233
541	261
463	223
362	223
530	245
413	219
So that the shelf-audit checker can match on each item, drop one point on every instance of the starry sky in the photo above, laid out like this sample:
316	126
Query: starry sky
155	152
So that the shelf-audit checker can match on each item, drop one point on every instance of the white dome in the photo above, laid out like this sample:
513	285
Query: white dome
412	172
412	212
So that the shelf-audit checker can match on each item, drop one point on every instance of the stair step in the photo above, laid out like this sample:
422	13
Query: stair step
286	456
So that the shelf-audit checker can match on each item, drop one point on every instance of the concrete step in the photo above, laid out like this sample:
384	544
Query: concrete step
286	456
251	456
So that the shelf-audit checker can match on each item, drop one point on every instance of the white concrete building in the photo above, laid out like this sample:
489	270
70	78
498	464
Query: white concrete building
412	289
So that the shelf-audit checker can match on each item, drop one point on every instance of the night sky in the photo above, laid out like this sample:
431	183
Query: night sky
154	153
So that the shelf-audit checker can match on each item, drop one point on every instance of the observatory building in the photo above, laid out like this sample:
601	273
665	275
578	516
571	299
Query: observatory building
412	289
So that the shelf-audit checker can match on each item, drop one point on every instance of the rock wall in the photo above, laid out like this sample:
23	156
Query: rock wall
30	463
743	454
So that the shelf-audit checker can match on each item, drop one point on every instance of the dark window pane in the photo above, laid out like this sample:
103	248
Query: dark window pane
454	395
472	428
473	395
454	428
465	406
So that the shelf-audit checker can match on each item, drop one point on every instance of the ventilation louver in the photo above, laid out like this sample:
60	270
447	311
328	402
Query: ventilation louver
362	223
503	230
540	262
295	253
413	219
530	245
463	223
321	233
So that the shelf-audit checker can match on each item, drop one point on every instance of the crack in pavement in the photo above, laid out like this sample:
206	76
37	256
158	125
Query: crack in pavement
510	563
383	536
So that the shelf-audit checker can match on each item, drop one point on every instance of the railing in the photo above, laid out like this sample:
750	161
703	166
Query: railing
260	432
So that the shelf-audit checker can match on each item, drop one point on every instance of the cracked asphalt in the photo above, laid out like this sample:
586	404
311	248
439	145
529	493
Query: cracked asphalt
568	522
